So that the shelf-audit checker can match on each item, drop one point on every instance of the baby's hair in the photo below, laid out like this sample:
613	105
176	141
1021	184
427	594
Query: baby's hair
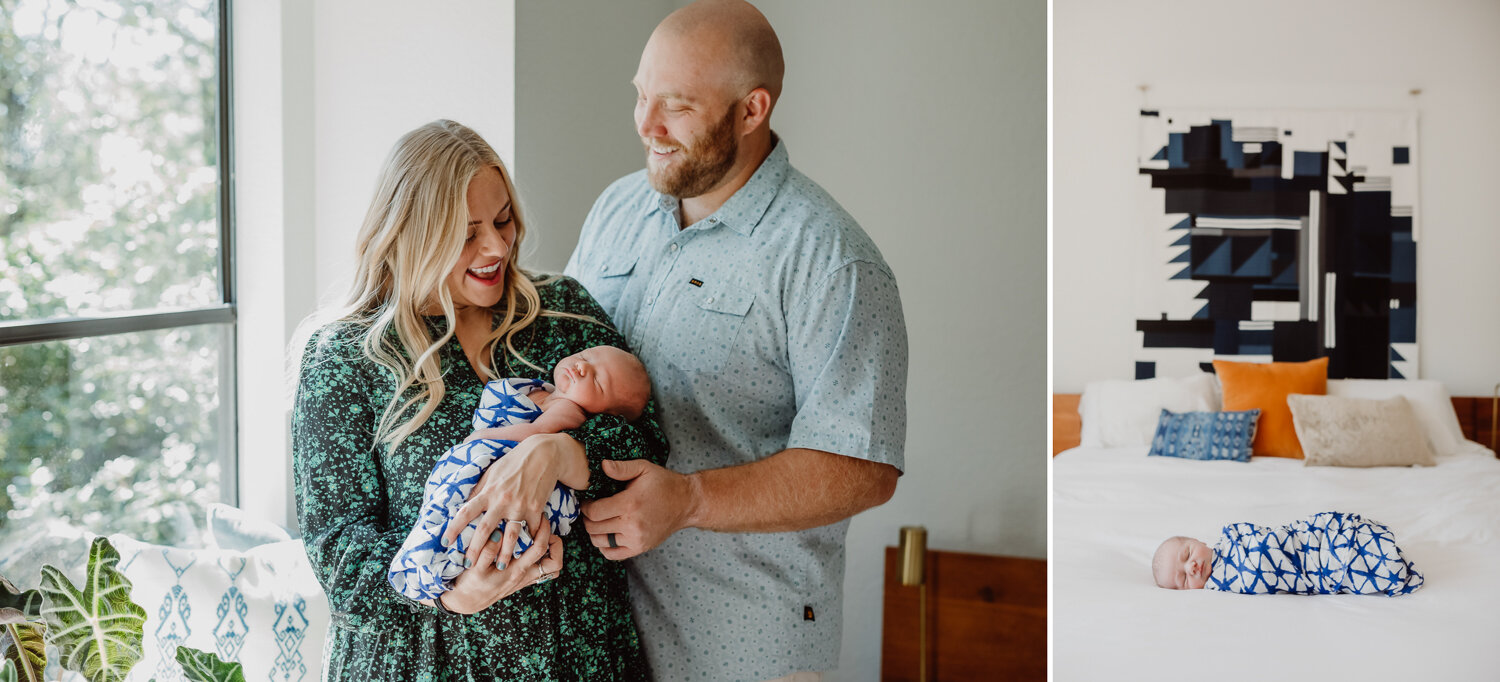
633	386
640	388
1156	560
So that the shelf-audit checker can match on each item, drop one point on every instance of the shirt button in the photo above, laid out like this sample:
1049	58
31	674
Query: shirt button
649	301
710	300
671	247
713	220
603	267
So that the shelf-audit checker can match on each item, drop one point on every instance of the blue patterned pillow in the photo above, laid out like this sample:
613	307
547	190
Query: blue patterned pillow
1205	435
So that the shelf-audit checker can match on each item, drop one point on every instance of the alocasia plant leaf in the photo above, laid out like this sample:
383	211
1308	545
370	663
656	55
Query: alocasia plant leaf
28	602
23	644
201	666
97	629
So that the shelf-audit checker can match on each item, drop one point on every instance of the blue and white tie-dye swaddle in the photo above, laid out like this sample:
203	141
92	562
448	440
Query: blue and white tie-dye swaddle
423	567
1328	553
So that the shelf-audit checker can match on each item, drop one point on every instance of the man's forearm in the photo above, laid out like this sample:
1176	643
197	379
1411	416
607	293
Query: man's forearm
791	490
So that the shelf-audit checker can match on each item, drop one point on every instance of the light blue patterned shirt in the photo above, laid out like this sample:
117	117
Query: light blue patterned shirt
773	323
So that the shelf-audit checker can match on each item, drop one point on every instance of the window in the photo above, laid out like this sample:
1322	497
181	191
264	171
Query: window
116	284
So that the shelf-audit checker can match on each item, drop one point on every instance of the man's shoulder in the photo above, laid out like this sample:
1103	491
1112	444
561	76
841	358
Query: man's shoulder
619	209
820	225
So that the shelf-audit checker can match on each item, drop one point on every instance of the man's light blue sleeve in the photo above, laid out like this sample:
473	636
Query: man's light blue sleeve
846	342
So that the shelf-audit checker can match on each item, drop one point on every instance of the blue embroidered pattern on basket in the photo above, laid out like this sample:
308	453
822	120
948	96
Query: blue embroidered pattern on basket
261	609
1205	435
423	568
290	629
232	627
172	626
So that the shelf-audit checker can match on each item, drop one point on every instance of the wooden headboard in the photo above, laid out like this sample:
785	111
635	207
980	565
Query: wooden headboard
1067	426
1475	417
986	618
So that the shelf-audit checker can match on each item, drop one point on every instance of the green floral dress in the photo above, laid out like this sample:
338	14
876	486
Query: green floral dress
356	503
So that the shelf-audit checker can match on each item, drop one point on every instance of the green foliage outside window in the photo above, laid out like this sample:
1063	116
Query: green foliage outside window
108	204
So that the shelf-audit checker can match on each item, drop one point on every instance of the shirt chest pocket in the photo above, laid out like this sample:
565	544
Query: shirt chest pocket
709	324
607	285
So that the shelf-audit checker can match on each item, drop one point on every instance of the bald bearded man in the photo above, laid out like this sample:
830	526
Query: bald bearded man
773	332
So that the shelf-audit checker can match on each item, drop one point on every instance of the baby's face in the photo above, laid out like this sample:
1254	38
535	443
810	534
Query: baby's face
603	379
1182	564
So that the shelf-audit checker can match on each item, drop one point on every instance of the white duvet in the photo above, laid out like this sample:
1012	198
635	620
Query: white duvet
1112	507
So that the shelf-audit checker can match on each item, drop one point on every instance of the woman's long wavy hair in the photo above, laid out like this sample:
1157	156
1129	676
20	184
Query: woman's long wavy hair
411	239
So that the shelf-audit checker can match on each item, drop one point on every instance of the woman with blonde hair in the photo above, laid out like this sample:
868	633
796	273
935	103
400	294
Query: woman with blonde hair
439	306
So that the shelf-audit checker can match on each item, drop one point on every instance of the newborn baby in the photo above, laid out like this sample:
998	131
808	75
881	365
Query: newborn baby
598	380
1327	553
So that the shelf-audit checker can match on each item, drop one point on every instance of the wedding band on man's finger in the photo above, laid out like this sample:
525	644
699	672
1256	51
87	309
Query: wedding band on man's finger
612	543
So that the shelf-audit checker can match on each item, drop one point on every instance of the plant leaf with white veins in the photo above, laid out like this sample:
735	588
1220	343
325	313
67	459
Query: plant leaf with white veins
201	666
97	629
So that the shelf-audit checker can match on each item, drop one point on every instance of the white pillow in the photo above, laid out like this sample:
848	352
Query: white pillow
1427	398
1124	413
262	607
230	527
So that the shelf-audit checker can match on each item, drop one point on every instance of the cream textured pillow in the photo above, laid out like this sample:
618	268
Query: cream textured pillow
1356	432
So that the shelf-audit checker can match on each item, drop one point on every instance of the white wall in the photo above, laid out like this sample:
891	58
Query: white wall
574	102
274	203
1333	54
929	126
322	92
382	68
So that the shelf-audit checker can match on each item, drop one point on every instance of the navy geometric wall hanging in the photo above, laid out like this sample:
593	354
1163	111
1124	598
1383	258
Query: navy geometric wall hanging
1279	235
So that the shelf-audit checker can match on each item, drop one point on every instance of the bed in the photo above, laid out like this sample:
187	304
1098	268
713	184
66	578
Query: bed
1112	506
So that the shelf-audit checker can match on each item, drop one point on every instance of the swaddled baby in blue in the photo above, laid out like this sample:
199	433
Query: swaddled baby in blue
602	379
1327	553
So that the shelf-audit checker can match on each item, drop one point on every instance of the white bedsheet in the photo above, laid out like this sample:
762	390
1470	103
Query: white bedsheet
1111	508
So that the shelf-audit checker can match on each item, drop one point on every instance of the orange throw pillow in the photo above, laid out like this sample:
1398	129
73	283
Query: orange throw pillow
1265	386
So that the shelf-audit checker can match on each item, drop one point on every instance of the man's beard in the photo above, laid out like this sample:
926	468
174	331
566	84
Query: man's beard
703	164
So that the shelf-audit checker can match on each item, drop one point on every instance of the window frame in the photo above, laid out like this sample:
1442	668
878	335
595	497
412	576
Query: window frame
19	332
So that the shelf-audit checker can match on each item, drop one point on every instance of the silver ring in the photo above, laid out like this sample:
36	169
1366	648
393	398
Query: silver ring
612	541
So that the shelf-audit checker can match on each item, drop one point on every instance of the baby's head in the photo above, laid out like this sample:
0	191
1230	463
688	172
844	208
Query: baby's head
1182	564
603	380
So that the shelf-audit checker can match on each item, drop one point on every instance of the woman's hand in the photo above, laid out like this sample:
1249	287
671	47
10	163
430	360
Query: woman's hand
483	584
516	487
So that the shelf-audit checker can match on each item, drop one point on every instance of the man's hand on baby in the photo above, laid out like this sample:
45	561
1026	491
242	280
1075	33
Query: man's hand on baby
657	503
